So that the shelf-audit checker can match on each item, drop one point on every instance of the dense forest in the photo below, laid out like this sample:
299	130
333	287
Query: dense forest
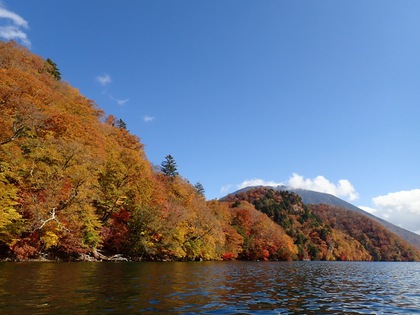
323	232
75	184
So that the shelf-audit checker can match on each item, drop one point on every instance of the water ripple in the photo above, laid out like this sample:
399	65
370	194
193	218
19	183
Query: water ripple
211	288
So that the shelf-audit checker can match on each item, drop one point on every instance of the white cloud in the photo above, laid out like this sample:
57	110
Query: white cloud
122	102
12	32
104	79
406	201
257	182
16	19
12	29
148	118
369	209
402	208
343	189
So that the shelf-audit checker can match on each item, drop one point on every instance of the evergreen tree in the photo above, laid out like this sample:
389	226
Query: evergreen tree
168	167
121	124
200	188
53	69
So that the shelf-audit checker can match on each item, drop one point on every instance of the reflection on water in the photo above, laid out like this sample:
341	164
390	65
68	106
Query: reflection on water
210	288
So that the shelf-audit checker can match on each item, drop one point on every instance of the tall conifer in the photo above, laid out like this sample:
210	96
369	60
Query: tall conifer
168	167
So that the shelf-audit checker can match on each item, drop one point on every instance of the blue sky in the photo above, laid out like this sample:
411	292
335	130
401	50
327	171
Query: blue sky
321	95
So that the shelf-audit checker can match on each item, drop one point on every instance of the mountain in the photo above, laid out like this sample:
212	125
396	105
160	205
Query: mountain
316	198
324	232
313	197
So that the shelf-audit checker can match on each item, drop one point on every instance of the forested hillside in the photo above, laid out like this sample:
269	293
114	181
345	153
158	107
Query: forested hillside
314	197
75	184
327	232
73	180
377	240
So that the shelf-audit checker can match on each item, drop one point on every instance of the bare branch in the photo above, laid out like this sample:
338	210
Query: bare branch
52	218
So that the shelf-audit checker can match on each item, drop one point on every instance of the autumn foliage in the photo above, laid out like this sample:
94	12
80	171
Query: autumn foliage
371	241
75	182
322	232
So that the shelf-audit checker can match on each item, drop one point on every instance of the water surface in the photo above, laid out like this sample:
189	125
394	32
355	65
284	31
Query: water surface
210	288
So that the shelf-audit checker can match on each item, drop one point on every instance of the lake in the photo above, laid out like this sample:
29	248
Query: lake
210	288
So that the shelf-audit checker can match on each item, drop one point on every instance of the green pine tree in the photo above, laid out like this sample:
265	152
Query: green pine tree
53	69
200	188
168	167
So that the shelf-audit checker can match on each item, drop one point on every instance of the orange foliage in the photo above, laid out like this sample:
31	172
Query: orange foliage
365	235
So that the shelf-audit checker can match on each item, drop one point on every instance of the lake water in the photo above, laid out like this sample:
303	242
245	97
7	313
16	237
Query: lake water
210	288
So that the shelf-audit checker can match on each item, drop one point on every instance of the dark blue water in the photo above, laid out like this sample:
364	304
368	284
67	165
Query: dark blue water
210	288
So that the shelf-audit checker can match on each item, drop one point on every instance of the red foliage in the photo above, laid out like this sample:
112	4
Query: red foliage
115	235
24	251
26	248
228	256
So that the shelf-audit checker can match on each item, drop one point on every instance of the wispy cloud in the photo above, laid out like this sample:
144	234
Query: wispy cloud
148	118
122	102
227	188
342	189
12	26
104	79
16	19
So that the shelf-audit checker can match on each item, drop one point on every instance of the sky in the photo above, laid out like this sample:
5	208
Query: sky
322	95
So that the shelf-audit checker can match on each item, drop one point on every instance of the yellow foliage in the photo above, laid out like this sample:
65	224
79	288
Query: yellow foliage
347	248
49	239
8	202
